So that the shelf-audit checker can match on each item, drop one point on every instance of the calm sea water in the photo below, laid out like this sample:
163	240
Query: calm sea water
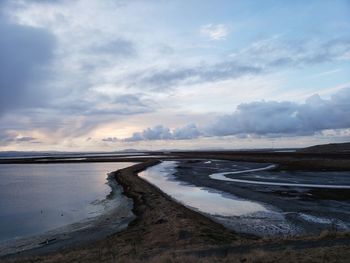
35	198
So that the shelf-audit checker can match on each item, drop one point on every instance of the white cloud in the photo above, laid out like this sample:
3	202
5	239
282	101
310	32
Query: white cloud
160	132
267	119
109	71
215	31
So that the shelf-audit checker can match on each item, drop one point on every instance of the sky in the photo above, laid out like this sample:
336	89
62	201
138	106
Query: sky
91	75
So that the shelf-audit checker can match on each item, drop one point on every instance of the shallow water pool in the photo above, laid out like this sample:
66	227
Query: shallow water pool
236	213
35	198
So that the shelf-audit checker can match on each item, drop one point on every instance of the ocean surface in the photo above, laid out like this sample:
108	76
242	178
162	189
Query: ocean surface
35	198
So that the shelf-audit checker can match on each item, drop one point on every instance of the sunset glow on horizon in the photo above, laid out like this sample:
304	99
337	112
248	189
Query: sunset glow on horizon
112	75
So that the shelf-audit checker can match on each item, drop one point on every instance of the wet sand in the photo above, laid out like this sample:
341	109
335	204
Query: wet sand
165	231
308	161
308	210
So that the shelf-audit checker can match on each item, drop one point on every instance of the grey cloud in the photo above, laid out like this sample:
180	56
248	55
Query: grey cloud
110	139
45	1
19	4
163	79
262	57
11	137
76	117
272	53
126	104
131	100
257	117
188	132
103	53
117	47
136	136
25	139
160	132
266	118
24	52
52	123
269	117
6	137
117	110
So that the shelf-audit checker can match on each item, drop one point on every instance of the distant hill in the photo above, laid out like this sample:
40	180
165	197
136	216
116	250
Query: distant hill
328	148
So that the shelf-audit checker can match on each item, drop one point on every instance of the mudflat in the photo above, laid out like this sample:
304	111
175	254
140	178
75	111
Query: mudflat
166	231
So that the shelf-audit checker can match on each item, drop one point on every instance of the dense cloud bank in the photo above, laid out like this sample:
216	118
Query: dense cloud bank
266	118
71	70
24	52
160	132
270	117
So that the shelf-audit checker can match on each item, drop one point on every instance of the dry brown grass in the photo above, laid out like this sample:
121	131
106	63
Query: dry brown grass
334	254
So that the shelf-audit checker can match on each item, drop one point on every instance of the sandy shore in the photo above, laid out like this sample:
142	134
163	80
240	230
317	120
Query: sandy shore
165	231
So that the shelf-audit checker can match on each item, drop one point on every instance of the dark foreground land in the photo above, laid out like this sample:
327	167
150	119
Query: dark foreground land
165	231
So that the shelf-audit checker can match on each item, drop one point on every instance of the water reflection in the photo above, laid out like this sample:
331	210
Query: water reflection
238	214
36	198
289	180
203	199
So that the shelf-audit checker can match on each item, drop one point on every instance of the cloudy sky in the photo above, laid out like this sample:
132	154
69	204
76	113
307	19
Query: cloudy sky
86	75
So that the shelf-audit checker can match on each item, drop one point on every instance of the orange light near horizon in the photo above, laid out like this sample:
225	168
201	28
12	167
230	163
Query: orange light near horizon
114	130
